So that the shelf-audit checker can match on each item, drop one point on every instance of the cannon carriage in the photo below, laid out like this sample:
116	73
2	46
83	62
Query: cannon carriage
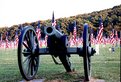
57	46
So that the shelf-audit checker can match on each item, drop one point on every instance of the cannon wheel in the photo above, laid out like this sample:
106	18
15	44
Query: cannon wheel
86	57
28	58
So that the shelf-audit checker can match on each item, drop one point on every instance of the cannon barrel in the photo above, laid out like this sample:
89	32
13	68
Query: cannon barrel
53	31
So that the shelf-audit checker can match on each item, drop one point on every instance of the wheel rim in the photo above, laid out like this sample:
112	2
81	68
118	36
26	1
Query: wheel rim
28	59
86	57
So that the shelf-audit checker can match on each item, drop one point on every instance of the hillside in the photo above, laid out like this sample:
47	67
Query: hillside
111	19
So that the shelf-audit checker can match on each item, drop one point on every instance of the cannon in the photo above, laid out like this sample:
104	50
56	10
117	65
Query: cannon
57	46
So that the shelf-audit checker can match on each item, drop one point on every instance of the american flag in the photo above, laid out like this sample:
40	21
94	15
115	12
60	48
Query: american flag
116	34
112	39
100	34
92	37
0	40
74	33
46	40
6	40
16	39
71	41
104	40
38	32
53	20
108	40
80	41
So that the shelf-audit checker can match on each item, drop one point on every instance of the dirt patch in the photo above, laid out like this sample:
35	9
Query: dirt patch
35	80
57	80
60	80
78	80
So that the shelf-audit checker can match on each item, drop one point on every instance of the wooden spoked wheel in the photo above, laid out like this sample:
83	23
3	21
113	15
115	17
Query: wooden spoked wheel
28	49
86	57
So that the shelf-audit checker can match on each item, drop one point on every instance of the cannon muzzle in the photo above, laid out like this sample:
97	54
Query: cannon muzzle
52	31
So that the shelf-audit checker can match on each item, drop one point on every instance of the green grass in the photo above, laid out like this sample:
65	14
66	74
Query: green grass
104	66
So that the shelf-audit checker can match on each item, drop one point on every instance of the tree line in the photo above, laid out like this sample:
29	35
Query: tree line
111	20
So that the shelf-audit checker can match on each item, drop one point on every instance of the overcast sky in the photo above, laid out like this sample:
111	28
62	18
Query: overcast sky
21	11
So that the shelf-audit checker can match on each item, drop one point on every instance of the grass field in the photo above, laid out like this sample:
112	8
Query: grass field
104	66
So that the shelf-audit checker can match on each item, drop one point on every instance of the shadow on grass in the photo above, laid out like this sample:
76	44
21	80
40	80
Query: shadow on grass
64	77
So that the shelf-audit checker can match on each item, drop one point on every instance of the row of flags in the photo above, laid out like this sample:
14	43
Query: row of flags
74	40
9	44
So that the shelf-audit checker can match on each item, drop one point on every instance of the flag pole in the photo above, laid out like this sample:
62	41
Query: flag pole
120	40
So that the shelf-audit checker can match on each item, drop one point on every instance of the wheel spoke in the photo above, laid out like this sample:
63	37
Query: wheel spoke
31	39
36	59
27	40
32	67
36	43
89	60
29	67
36	39
27	58
35	62
26	46
26	63
28	53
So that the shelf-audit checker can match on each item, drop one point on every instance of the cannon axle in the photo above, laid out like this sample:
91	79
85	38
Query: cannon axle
70	50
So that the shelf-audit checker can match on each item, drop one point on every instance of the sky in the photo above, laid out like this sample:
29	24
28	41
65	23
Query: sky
14	12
